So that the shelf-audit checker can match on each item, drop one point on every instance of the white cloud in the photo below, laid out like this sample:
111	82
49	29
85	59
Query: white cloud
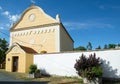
13	18
6	13
7	25
4	26
81	25
75	24
108	7
32	1
1	28
0	8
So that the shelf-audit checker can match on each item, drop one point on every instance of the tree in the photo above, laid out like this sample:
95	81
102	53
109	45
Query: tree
105	46
82	48
118	45
111	46
89	46
98	47
89	67
3	49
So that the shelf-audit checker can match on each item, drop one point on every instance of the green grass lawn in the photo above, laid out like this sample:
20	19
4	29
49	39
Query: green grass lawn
52	79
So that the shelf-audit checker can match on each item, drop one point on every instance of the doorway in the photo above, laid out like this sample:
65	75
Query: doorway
15	64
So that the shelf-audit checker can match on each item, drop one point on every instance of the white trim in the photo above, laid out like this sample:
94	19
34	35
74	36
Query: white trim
58	39
10	39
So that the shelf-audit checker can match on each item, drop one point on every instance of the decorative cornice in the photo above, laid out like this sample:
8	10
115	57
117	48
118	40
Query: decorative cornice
35	27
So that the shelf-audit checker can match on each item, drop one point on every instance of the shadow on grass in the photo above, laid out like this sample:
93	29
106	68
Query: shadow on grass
73	82
111	81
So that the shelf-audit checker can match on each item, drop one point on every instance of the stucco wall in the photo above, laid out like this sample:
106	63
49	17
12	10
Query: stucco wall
37	30
63	63
21	62
24	60
66	44
15	52
29	61
39	39
40	18
8	66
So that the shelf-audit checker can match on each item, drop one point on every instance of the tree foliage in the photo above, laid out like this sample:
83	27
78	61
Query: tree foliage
3	49
98	47
105	46
82	48
111	46
32	68
89	67
89	46
118	45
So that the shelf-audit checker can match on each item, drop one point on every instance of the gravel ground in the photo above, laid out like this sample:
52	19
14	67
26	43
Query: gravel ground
9	79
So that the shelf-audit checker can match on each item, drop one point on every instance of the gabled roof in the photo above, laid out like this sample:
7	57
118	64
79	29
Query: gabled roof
41	18
24	48
27	49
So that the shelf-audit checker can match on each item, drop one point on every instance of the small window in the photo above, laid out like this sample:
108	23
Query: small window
8	59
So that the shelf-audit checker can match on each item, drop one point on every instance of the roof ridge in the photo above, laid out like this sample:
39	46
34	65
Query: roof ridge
27	49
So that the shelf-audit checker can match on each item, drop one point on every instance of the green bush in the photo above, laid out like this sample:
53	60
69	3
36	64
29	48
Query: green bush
32	68
37	71
97	71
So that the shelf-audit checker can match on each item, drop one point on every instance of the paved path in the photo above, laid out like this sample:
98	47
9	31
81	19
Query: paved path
9	79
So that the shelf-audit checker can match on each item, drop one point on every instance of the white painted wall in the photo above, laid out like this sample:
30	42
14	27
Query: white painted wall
63	63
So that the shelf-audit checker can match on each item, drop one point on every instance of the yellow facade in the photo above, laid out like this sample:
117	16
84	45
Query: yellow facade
36	31
40	18
39	40
29	61
24	59
39	33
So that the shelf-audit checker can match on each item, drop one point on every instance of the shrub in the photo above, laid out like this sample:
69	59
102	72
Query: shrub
88	67
37	71
97	71
32	68
34	72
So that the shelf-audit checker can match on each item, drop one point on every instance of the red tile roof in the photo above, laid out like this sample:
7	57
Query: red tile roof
28	50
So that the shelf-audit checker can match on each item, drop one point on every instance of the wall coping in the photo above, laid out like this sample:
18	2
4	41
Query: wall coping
77	51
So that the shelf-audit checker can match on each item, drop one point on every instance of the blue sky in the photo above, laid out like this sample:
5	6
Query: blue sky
95	21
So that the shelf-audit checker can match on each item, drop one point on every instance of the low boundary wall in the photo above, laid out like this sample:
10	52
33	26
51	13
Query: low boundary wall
63	63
